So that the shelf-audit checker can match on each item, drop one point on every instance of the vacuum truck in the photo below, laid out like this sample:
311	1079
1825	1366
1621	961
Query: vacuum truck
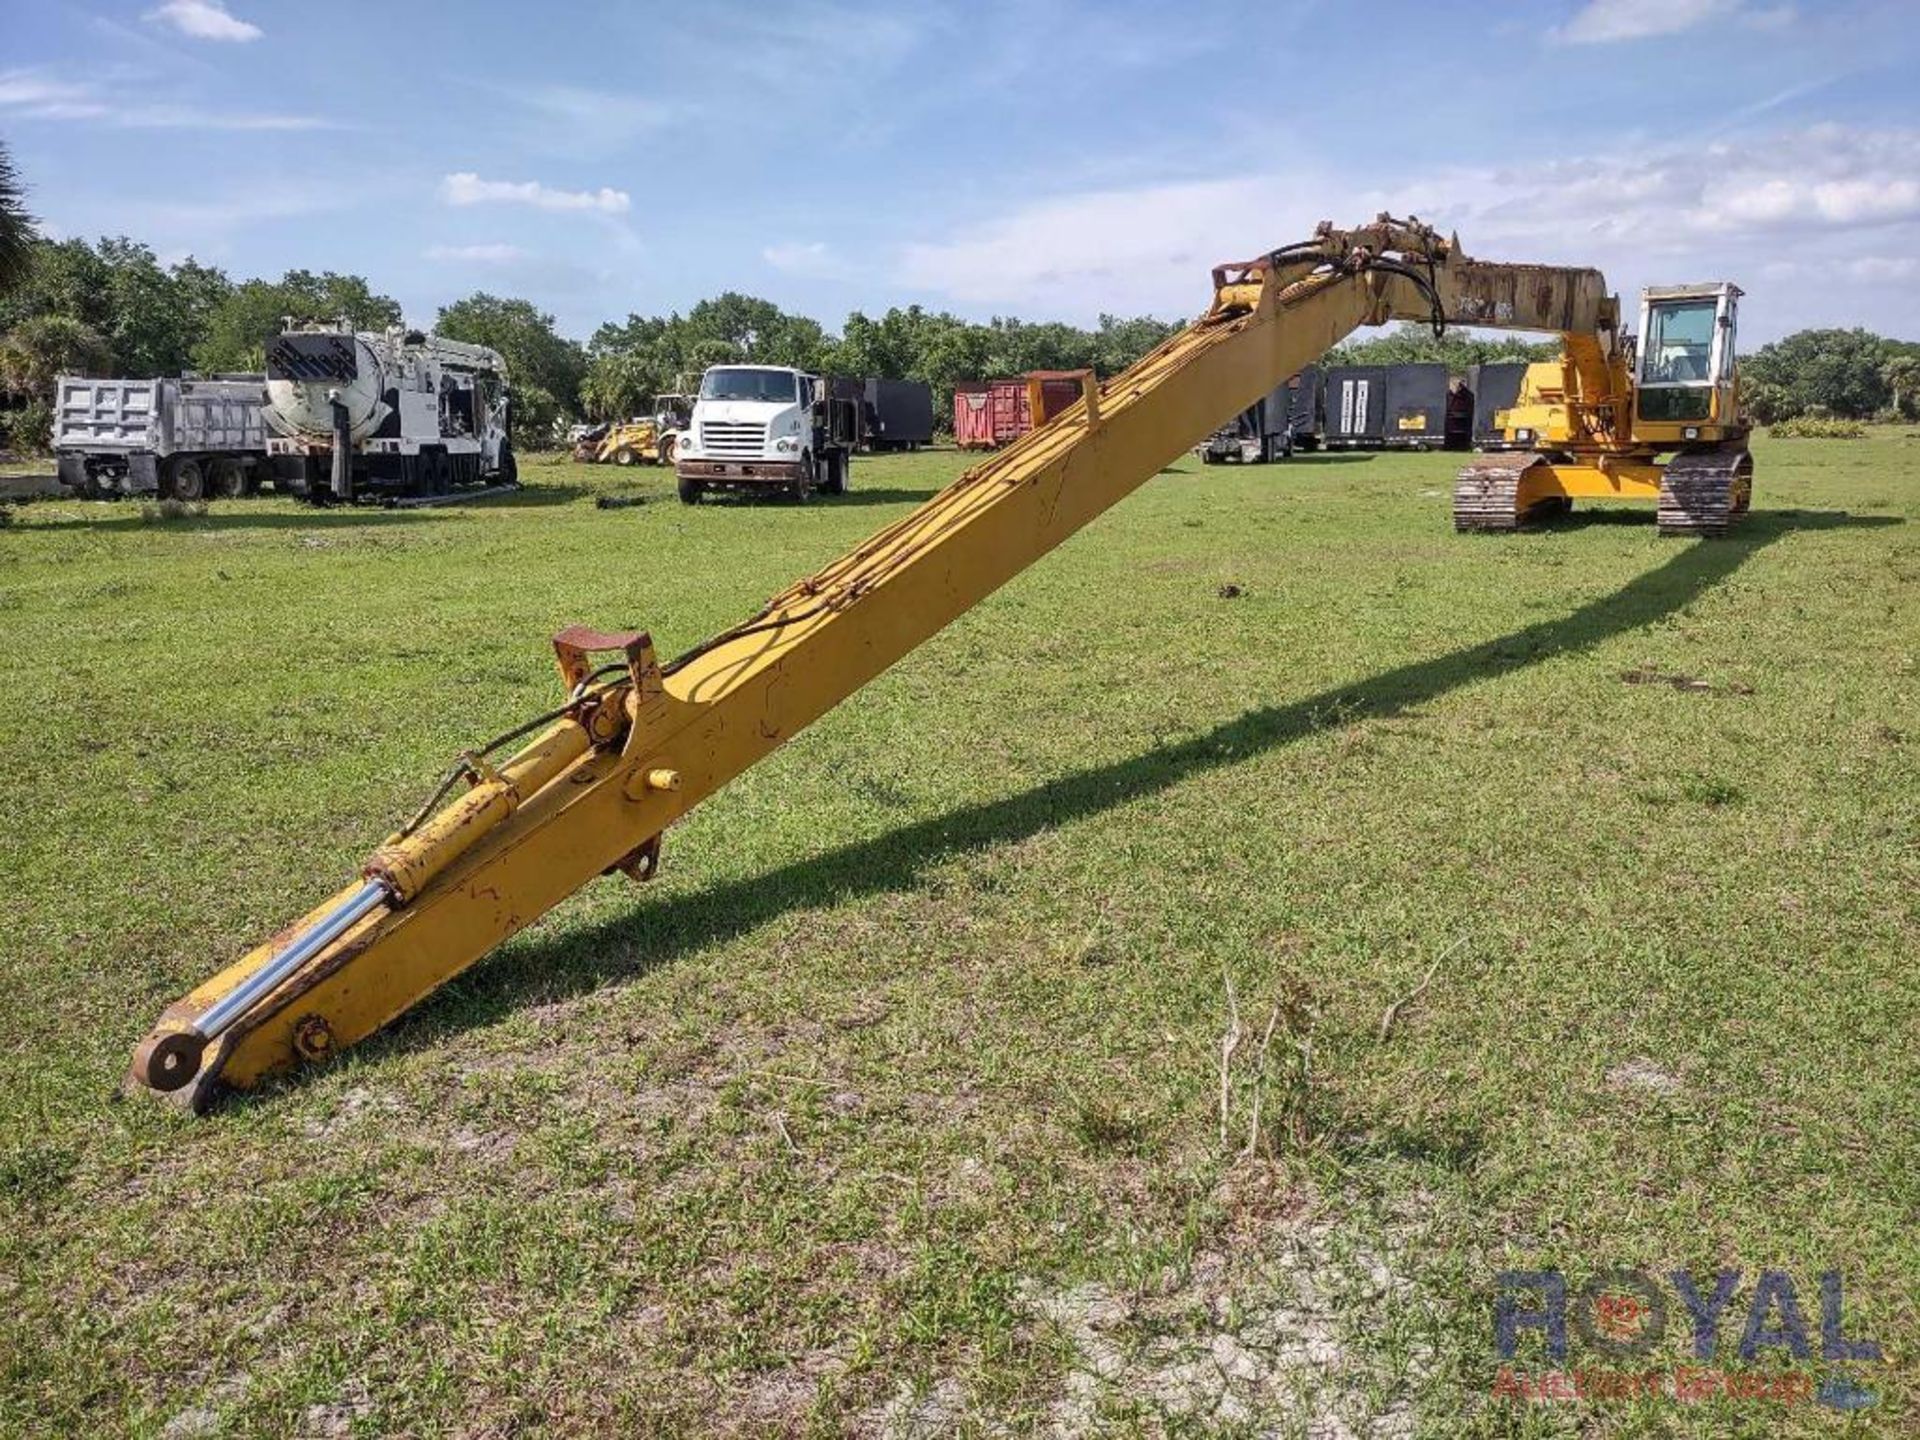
384	415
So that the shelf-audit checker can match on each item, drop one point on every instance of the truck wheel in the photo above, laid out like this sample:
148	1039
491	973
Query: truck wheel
690	490
509	467
186	480
838	462
227	477
625	456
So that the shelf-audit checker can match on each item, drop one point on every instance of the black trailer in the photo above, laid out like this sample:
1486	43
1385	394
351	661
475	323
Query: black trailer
1258	434
1356	406
894	414
898	414
1495	386
1305	420
1416	417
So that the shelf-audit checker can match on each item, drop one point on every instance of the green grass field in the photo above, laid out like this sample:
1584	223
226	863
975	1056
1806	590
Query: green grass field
894	1106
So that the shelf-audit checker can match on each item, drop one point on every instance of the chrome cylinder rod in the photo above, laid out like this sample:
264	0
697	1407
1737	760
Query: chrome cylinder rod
236	1002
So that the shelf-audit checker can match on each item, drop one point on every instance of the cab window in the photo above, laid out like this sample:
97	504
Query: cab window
1678	346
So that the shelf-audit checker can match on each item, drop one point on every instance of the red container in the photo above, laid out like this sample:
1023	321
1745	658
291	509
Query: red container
973	415
1058	390
1012	414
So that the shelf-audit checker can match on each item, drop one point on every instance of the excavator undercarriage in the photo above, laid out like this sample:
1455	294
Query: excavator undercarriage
636	743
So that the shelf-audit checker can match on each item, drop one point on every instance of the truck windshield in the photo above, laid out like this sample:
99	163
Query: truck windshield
743	384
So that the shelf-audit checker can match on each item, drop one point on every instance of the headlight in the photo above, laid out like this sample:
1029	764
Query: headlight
1692	432
1523	434
786	446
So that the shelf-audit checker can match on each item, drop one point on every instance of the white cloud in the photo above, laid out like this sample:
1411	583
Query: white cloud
36	95
1600	22
467	188
1826	197
1875	268
483	254
811	257
204	20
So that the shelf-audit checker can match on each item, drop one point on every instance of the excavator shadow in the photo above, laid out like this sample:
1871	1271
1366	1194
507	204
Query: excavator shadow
656	934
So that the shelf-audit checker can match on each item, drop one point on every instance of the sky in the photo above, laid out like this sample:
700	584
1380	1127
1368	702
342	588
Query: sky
1051	159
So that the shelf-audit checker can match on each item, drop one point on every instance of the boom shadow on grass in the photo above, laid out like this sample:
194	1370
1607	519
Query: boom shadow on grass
655	934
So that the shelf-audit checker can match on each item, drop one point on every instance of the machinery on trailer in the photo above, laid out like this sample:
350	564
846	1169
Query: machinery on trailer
1594	423
373	414
636	743
183	439
767	427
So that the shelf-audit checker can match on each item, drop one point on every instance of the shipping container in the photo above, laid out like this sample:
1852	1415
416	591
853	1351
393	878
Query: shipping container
1056	390
973	415
1416	417
1356	406
191	437
1012	412
1495	386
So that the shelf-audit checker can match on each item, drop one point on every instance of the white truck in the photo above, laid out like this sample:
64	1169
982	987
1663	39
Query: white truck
184	439
370	414
766	427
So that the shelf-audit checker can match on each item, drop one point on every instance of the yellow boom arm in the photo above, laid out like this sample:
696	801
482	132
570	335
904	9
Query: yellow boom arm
639	744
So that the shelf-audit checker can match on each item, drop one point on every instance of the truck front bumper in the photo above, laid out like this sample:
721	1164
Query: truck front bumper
740	472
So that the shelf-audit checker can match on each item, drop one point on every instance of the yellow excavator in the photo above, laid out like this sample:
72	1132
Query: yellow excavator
636	742
1594	423
646	440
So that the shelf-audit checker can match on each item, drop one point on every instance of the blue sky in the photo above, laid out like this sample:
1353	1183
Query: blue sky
1050	158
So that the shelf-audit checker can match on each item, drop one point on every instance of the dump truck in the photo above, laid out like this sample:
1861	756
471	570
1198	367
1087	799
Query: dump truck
385	415
183	439
767	428
638	741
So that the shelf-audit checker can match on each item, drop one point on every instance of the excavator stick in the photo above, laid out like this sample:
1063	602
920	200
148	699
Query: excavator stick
635	743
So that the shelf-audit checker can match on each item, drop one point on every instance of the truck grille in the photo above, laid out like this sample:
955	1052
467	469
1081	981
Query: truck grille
733	437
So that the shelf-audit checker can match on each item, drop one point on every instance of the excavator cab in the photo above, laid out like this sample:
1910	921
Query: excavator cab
1685	365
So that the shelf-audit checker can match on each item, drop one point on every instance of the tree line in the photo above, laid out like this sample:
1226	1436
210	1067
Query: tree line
112	307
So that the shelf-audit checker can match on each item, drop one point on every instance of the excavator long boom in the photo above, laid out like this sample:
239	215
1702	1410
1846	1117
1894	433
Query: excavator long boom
638	744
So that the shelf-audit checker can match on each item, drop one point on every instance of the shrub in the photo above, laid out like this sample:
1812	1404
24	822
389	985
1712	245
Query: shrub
28	430
1818	427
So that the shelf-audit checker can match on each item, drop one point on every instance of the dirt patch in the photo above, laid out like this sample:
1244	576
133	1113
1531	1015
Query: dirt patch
1644	1075
1315	1330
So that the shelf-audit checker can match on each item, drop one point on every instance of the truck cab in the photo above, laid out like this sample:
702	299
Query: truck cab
766	428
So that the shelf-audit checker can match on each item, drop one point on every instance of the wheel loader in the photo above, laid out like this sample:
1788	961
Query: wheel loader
637	741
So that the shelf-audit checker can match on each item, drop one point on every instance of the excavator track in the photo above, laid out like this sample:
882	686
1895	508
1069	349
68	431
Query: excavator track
1486	496
1703	492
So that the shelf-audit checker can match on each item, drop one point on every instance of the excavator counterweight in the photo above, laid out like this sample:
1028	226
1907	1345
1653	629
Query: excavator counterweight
636	744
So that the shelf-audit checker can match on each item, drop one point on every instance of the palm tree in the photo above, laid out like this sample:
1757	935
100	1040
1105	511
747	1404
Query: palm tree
16	226
1902	374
